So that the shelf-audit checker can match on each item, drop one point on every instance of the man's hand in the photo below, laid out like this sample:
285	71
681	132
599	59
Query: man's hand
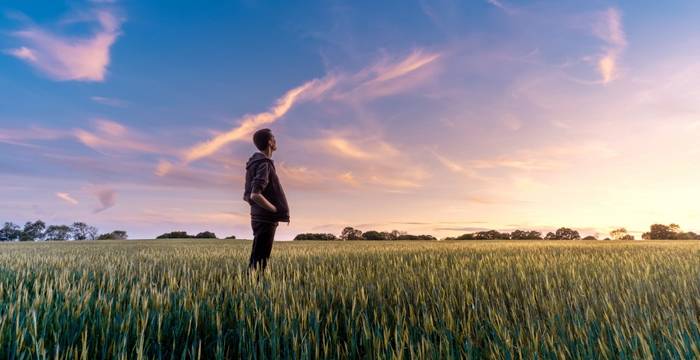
262	201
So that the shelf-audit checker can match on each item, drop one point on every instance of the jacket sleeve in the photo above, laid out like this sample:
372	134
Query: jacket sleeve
261	177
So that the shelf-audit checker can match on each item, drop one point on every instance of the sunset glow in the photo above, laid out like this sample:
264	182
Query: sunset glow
433	117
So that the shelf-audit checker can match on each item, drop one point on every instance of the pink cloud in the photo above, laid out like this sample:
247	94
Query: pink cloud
67	198
250	123
66	58
111	135
609	28
370	80
21	136
107	199
547	158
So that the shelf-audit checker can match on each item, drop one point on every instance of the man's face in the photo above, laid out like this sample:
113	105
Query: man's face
273	143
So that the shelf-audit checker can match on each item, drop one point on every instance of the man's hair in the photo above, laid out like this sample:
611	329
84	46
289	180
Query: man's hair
261	138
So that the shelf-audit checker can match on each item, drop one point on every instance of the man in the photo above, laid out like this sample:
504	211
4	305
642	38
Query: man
263	191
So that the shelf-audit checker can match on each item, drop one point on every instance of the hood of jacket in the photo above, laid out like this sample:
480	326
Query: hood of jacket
258	156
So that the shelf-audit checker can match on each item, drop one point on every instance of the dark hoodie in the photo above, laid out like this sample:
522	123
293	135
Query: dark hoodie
261	177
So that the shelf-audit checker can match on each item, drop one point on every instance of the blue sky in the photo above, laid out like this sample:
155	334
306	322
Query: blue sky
437	117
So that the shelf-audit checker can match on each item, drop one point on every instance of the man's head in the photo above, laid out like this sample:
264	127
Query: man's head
263	139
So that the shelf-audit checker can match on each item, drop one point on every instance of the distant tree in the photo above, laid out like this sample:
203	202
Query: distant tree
550	236
175	235
314	236
590	237
491	235
206	235
668	232
675	228
466	237
114	235
83	231
607	238
57	232
395	234
350	233
10	232
662	232
627	237
525	235
232	237
688	236
415	237
373	235
33	231
566	234
518	235
618	234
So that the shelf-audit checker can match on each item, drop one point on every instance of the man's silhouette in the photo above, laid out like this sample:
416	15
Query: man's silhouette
268	204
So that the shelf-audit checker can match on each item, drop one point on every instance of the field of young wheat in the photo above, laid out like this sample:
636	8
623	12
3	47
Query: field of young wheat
498	299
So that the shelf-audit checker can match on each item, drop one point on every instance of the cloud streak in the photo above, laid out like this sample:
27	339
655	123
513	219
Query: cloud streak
251	122
67	198
110	135
609	28
70	58
370	80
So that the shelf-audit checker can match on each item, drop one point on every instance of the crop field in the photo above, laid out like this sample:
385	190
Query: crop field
403	299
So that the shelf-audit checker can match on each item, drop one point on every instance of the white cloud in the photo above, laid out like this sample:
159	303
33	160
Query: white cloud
65	58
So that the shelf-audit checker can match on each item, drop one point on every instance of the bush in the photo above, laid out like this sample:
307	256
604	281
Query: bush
175	235
114	235
315	236
206	235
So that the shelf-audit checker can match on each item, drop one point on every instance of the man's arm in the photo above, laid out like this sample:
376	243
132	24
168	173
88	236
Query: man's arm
262	201
260	181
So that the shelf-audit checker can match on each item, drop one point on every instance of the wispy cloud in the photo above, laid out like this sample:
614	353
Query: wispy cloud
388	76
107	198
334	86
111	135
67	198
457	168
33	133
345	148
499	4
113	102
355	149
609	28
250	123
547	158
63	57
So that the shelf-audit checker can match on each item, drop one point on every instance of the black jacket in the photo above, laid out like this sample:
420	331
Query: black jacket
260	176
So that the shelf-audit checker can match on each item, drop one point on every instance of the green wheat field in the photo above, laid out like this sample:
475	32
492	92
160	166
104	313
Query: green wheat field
175	299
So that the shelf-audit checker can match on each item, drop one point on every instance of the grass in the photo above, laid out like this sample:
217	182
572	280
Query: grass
174	299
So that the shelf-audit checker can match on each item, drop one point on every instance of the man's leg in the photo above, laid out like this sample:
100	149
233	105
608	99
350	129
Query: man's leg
266	245
263	236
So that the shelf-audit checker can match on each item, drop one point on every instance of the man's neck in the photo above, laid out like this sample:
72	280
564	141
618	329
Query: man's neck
267	153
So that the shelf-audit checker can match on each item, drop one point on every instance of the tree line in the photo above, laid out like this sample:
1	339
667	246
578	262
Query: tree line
656	232
39	231
350	233
185	235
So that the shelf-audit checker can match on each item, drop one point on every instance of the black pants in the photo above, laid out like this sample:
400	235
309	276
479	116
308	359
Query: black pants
263	236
